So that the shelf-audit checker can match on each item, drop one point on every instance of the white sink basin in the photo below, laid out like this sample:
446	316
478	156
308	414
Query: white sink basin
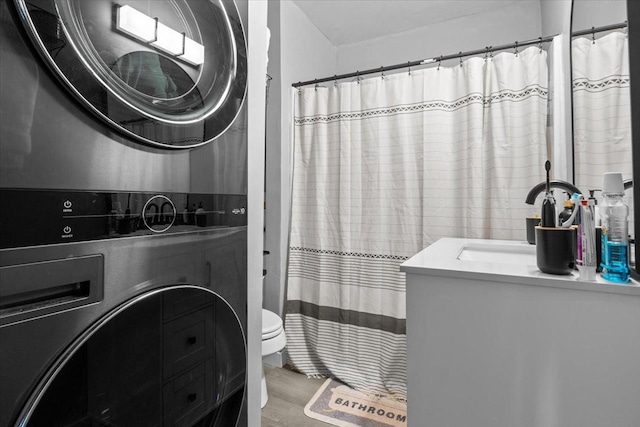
498	253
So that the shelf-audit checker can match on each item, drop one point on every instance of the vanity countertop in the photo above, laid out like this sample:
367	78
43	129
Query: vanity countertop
500	261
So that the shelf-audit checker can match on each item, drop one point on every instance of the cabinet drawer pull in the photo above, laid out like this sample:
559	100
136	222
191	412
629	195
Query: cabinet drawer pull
192	397
191	340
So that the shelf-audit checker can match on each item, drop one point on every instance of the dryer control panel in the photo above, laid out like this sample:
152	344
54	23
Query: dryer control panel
41	217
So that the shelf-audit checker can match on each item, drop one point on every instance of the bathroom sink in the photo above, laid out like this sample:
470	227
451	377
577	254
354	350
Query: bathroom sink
497	252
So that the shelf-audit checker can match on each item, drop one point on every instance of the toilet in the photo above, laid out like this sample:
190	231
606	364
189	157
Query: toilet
273	340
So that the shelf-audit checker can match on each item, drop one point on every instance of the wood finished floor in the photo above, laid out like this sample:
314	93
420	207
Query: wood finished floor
289	392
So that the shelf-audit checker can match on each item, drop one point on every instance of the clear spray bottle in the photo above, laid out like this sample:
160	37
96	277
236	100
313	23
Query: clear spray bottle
614	215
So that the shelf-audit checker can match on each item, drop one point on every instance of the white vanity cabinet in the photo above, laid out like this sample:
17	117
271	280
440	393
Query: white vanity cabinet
493	342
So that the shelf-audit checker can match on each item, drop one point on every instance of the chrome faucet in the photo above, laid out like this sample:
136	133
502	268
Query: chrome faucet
554	183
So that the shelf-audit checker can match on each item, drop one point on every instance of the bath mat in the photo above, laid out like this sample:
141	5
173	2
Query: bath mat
339	405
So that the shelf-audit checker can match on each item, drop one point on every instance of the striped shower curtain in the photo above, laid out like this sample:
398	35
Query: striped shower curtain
601	108
384	167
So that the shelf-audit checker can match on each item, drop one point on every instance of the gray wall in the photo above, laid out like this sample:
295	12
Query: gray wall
256	29
298	51
596	13
517	21
556	19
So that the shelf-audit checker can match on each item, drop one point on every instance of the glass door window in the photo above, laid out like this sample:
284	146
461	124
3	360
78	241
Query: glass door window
167	73
171	357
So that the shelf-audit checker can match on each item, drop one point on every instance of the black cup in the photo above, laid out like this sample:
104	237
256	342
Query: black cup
532	222
556	249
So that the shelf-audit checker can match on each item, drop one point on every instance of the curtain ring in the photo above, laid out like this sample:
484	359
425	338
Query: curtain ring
491	53
486	53
409	66
316	85
540	44
516	49
593	35
335	80
460	56
382	72
358	77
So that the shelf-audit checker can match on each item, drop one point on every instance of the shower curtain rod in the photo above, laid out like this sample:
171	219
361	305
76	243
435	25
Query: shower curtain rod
602	29
486	50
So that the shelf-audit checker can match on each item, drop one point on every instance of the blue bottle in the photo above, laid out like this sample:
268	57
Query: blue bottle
614	214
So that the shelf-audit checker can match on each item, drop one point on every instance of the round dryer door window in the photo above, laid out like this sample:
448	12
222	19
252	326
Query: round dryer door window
170	73
172	357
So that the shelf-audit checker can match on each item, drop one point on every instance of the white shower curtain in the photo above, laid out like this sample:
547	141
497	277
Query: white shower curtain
382	169
601	109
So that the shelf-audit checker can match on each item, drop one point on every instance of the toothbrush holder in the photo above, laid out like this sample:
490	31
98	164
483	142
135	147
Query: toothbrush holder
556	249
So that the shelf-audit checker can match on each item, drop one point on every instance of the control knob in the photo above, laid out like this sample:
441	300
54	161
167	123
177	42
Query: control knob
158	214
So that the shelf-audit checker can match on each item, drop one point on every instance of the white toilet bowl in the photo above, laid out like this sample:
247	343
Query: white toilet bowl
273	340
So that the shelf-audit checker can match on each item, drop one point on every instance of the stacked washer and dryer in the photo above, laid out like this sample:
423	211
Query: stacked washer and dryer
123	227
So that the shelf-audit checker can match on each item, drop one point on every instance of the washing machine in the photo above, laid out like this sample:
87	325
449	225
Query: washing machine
123	223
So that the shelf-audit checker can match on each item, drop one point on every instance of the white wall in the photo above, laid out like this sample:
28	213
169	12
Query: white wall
517	22
304	53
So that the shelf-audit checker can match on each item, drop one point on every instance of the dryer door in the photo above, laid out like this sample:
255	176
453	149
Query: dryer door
171	357
171	73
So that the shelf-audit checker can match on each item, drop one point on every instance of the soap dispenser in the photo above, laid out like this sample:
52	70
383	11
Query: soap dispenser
565	214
